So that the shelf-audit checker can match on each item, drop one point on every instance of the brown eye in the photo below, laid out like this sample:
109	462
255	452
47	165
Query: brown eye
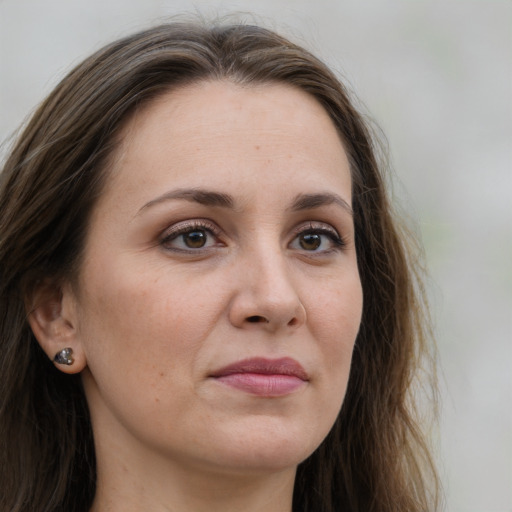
191	237
195	239
321	239
310	241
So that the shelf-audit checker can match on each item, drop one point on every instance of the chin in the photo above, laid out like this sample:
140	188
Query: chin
274	448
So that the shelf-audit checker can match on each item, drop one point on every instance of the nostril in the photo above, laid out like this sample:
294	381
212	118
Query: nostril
256	319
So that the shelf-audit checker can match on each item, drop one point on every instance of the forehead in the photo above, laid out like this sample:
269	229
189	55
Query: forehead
232	132
228	100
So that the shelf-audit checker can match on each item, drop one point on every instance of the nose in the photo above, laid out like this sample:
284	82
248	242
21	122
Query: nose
266	296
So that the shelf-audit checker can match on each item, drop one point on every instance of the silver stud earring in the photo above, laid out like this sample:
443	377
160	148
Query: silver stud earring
65	356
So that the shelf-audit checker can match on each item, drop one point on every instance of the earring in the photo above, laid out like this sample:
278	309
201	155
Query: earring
65	356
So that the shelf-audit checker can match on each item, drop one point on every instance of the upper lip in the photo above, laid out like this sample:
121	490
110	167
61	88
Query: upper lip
264	366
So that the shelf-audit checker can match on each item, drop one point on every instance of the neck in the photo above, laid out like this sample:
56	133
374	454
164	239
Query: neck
167	488
133	478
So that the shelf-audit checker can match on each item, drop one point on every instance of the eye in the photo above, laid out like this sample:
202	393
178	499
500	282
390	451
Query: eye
319	239
310	241
194	239
190	236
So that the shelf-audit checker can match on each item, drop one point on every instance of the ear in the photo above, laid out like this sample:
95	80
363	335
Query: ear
52	315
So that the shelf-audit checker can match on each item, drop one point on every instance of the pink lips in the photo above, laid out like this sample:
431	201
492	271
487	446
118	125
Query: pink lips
264	377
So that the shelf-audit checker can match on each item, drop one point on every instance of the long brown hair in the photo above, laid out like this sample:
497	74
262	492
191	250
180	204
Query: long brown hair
375	459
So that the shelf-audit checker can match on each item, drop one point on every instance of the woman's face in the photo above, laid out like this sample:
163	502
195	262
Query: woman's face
219	297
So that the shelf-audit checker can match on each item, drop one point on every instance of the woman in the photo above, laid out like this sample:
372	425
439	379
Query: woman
206	303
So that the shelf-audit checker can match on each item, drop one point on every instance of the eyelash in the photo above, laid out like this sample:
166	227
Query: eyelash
211	230
200	225
323	230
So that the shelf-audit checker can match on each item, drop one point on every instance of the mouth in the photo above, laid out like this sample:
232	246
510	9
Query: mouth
263	377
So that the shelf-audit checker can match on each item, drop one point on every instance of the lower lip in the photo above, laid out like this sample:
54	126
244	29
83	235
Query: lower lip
263	384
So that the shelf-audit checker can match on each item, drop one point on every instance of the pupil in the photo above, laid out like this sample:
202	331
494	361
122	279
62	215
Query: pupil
195	239
310	241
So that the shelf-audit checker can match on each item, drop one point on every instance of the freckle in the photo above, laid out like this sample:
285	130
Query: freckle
157	400
161	374
257	147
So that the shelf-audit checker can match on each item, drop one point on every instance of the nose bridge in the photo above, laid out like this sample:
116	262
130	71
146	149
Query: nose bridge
273	281
267	292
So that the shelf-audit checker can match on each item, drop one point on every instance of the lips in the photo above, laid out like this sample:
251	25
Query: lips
263	377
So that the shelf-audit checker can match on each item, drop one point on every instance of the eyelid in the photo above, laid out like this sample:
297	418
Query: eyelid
186	226
321	228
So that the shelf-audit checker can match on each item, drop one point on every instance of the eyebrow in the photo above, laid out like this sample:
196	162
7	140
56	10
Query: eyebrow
204	197
210	198
311	201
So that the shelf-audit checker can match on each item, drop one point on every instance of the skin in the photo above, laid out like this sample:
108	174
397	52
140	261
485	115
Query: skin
152	318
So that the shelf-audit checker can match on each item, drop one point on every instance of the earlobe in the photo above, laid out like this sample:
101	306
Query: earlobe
53	320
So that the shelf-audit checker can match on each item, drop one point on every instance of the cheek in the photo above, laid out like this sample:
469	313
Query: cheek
141	336
141	299
334	319
152	321
335	313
